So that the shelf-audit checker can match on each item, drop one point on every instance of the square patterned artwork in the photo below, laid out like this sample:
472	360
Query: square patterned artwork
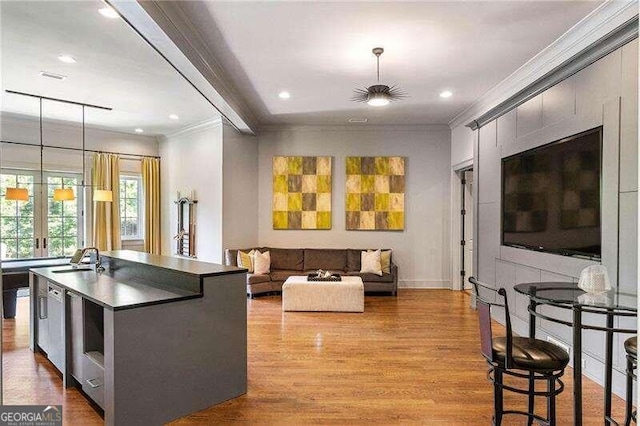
301	192
375	189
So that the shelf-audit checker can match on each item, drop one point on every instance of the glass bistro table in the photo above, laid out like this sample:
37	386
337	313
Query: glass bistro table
566	295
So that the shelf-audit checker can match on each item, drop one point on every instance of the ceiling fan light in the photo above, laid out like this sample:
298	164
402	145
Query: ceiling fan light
63	194
378	99
17	194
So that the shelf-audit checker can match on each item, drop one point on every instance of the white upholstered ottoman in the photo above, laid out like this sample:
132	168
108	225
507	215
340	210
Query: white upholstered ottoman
300	294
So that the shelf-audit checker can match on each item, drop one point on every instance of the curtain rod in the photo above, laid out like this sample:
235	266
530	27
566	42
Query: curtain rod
136	156
58	100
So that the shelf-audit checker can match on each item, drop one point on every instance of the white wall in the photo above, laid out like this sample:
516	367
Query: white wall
240	189
192	161
462	138
605	93
422	249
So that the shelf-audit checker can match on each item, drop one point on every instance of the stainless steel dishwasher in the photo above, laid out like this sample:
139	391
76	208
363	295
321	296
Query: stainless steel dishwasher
56	323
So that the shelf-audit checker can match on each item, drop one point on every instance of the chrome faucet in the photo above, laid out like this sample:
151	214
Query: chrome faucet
99	267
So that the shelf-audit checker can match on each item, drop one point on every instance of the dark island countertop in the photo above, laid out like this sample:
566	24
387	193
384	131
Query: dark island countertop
178	264
110	292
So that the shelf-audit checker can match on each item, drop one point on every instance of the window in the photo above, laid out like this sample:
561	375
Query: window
17	218
22	233
131	208
62	217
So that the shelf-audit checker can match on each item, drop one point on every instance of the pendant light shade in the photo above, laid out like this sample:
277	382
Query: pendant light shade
17	194
63	194
103	195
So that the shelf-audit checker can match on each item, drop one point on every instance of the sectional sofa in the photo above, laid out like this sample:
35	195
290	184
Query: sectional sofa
286	262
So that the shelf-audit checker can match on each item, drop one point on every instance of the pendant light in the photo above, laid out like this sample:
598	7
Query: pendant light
63	194
105	195
17	194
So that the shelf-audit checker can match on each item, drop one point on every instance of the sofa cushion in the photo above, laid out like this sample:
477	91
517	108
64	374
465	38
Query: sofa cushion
370	262
258	278
231	255
331	259
373	278
286	259
353	259
282	275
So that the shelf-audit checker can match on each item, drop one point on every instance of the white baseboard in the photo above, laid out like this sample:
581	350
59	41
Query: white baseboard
437	284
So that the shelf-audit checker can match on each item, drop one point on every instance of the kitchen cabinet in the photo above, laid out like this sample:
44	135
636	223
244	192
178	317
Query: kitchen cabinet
75	303
55	326
147	325
42	323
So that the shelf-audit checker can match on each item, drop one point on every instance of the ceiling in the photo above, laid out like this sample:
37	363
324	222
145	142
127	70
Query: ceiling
115	68
321	51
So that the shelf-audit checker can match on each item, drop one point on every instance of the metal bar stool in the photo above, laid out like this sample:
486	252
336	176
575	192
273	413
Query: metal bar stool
520	357
631	347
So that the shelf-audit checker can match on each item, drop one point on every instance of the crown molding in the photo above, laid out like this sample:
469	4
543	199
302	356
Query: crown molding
32	122
195	128
580	42
353	127
168	30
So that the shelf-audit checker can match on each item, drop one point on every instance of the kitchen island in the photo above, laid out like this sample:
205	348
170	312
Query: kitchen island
150	339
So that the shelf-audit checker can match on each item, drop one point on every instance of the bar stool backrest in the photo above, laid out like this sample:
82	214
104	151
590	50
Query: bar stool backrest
484	306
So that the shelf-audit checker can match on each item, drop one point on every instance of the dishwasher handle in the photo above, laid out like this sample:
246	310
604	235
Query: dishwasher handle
55	294
43	311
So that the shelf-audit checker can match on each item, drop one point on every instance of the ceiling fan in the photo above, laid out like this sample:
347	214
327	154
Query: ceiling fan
378	94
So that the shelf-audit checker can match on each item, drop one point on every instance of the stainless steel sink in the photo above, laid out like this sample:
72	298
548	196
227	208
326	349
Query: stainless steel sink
64	271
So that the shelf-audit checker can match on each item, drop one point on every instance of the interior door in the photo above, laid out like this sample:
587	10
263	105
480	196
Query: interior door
468	226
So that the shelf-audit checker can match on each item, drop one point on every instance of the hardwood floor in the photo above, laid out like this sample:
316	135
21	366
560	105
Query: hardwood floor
414	359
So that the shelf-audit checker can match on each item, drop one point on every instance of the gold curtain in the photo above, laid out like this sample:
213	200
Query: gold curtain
151	188
106	215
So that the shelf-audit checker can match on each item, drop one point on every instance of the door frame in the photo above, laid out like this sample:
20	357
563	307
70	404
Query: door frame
457	173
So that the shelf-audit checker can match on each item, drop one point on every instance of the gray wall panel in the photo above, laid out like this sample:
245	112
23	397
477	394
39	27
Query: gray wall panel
488	242
506	128
489	164
558	103
628	272
598	83
609	195
604	94
525	274
529	116
506	277
629	119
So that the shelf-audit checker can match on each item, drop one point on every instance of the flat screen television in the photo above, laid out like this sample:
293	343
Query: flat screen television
551	196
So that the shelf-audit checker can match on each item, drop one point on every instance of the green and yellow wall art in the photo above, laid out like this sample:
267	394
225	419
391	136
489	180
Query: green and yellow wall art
375	188
301	192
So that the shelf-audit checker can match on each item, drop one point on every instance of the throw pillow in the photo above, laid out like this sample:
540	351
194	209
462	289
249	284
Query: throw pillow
385	261
245	260
261	262
370	262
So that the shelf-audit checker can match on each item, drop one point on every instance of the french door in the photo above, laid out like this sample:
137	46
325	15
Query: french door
41	226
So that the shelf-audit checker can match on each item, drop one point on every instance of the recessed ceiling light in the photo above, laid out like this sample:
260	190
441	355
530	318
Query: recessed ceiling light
139	130
358	120
52	75
108	12
173	116
67	59
446	94
284	95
